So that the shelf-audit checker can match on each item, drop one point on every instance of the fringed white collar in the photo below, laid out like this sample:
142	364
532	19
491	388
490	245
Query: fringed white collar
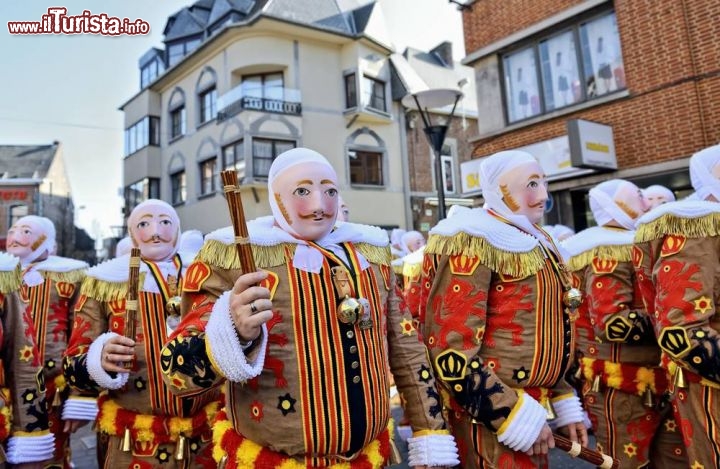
8	262
681	209
597	236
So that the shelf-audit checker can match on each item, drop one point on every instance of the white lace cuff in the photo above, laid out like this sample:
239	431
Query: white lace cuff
224	347
22	449
432	450
568	410
94	364
523	425
80	408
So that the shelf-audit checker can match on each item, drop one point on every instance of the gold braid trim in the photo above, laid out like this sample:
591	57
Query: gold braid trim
514	264
375	254
102	290
72	276
225	256
11	280
699	227
620	253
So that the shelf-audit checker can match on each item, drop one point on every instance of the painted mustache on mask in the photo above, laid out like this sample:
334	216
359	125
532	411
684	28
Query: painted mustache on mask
18	244
314	215
156	238
538	205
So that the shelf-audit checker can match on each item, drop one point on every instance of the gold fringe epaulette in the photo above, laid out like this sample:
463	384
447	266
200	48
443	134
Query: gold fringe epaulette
225	256
411	270
72	276
697	227
513	264
103	290
620	253
11	280
375	254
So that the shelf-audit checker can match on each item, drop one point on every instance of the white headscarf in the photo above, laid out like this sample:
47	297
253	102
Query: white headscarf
123	246
46	228
137	211
656	190
409	236
701	177
604	207
283	162
491	171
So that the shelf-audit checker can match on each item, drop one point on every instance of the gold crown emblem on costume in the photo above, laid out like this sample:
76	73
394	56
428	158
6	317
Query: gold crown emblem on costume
451	365
195	276
65	289
604	266
463	265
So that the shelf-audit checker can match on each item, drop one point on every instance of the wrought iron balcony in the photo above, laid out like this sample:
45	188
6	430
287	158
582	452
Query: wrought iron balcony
274	100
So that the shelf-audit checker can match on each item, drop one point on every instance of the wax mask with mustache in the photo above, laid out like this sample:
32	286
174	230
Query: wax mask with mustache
657	195
155	228
524	190
31	238
306	197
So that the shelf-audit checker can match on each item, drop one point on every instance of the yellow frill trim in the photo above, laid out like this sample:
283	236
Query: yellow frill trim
513	264
102	290
11	280
411	270
620	253
248	451
72	276
225	256
5	414
699	227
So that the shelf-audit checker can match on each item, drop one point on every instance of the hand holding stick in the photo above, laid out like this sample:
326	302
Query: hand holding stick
237	216
603	461
131	298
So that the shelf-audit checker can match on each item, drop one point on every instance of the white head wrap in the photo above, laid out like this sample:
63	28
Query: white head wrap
560	232
456	210
409	236
190	241
604	207
47	228
138	210
657	190
701	177
283	162
123	246
491	171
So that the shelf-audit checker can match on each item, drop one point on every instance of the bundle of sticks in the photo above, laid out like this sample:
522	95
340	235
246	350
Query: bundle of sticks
237	216
603	461
131	298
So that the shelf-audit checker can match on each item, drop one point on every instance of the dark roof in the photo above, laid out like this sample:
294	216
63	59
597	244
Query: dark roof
361	16
26	161
324	14
182	24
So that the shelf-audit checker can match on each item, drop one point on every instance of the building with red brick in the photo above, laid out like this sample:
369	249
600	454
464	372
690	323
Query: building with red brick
549	71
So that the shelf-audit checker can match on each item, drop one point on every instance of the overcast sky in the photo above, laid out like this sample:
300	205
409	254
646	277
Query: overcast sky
69	88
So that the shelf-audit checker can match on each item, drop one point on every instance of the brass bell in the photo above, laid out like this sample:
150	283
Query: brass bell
579	372
648	400
596	384
223	462
57	399
180	448
550	411
572	298
172	306
127	441
679	379
349	310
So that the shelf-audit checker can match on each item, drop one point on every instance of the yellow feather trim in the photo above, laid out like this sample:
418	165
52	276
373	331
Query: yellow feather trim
72	276
513	264
10	281
412	270
620	253
225	256
102	290
699	227
613	374
375	254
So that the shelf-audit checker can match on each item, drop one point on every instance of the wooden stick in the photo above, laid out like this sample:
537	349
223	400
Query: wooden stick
586	454
131	298
237	217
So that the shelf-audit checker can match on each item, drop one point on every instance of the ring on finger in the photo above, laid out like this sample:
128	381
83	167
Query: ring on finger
253	308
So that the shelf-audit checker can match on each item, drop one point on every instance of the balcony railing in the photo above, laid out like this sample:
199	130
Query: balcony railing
275	100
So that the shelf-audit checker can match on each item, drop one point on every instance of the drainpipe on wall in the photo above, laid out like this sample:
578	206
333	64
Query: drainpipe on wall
404	162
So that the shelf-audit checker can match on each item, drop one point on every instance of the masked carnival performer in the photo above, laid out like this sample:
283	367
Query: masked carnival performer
25	438
305	351
677	246
51	284
146	425
496	324
656	195
623	384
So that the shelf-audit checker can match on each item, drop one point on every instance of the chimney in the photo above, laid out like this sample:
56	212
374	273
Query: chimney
443	51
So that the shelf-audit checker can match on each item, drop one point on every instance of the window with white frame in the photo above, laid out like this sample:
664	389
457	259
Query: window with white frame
15	213
207	176
350	91
374	94
233	157
177	121
580	63
265	85
208	104
366	167
178	188
264	153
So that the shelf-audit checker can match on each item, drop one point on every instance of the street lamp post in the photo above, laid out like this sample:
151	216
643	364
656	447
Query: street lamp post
424	101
